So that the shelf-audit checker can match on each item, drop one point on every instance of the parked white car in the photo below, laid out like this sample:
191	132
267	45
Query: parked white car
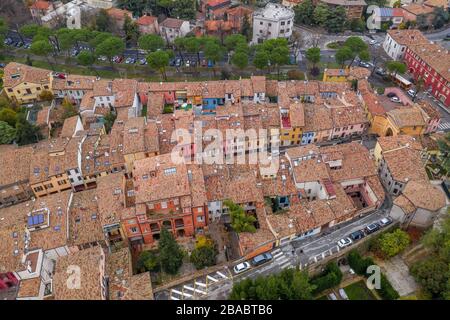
345	242
241	267
332	296
343	294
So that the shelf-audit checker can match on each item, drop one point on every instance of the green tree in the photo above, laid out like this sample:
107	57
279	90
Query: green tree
9	116
357	25
135	6
213	51
151	42
110	48
440	17
397	4
42	48
393	243
7	133
261	59
444	150
304	12
342	55
235	40
184	9
179	45
396	67
422	22
336	21
87	59
66	39
247	29
240	60
26	132
69	109
357	46
109	121
131	30
97	38
170	253
148	261
46	95
193	45
240	221
203	257
313	56
103	21
432	274
159	60
29	30
321	14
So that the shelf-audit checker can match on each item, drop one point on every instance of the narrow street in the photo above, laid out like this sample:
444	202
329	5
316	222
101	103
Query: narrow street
218	285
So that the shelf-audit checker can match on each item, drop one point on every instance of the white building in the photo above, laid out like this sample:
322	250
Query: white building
170	29
274	21
70	13
397	41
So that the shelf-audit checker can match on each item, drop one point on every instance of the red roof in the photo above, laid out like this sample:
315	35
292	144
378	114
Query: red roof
146	20
397	12
213	3
41	5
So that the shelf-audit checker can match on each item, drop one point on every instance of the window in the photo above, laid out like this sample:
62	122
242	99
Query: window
260	23
200	218
282	23
133	229
164	205
170	171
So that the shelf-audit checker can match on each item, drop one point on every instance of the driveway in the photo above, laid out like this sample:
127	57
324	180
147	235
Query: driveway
398	275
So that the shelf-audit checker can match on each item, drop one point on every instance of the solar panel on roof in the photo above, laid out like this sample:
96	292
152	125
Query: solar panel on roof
35	220
30	221
41	218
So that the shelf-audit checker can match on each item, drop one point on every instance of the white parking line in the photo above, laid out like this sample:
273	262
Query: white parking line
200	284
211	278
222	275
276	251
173	298
278	255
188	288
286	265
182	293
280	262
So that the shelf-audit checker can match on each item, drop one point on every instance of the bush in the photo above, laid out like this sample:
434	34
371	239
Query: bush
314	71
330	278
393	243
295	75
358	263
203	257
168	109
380	90
148	261
387	292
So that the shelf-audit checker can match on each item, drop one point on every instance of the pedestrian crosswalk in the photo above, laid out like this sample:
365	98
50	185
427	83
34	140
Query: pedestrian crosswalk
281	259
445	126
199	287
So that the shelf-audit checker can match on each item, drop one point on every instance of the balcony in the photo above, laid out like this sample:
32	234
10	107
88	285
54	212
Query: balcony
154	227
179	223
167	224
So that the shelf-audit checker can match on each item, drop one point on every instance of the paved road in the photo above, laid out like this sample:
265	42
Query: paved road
218	285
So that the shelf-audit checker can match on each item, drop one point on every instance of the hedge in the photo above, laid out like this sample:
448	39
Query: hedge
330	278
360	265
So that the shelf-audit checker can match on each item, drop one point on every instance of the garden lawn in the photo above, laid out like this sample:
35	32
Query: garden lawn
359	291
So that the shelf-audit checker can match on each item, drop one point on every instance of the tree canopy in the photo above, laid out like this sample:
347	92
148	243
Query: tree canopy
240	221
288	285
170	252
